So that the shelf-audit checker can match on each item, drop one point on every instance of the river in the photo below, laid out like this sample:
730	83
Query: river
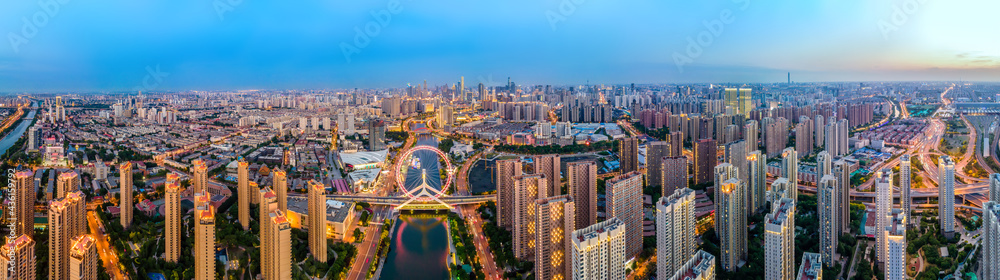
420	242
16	134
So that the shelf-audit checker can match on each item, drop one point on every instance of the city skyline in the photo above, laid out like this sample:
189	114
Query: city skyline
221	46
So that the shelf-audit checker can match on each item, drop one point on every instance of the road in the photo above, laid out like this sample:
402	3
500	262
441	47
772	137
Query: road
472	217
366	251
108	256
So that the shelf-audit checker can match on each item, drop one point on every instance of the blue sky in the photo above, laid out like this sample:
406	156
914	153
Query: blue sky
229	44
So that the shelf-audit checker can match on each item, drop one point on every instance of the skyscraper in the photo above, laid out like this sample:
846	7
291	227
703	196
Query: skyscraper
276	254
842	172
279	182
730	223
68	181
172	227
655	152
779	241
66	221
790	170
990	265
527	190
827	199
676	141
199	176
317	220
555	223
723	172
376	135
582	184
946	196
895	246
243	197
704	160
24	200
629	154
701	266
549	166
674	173
507	170
904	186
125	193
883	208
24	262
624	201
843	130
204	237
757	185
598	251
675	231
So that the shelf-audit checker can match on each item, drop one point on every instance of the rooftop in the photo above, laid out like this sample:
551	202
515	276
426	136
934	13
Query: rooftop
811	268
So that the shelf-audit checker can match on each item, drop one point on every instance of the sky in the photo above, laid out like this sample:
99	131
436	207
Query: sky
103	45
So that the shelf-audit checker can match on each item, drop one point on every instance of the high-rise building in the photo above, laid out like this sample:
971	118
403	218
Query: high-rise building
824	165
204	236
598	251
549	166
243	197
555	223
843	130
842	172
883	208
624	201
730	223
24	200
581	178
751	132
23	249
811	267
527	190
803	136
317	220
629	154
779	241
736	154
676	141
757	185
199	176
66	221
705	158
68	182
674	173
946	195
723	172
276	254
701	266
827	198
790	170
831	132
83	259
990	264
655	152
739	100
895	246
279	182
675	231
172	227
819	128
376	135
507	170
994	187
125	193
904	186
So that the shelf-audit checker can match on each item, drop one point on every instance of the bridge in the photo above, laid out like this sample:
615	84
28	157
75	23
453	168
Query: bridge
430	205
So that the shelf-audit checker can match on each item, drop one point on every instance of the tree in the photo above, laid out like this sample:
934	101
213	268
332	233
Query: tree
357	234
